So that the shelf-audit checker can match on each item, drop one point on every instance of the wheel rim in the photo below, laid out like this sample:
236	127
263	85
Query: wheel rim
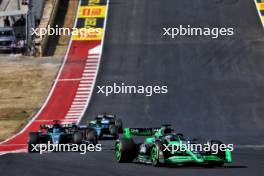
154	155
118	151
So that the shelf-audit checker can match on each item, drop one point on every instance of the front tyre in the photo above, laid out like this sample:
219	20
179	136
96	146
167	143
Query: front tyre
154	155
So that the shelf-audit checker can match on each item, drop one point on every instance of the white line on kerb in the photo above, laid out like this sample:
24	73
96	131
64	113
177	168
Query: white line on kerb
83	93
76	109
72	112
88	67
77	103
84	85
71	119
87	81
260	16
79	100
84	88
89	71
81	96
93	57
74	115
99	60
88	74
74	106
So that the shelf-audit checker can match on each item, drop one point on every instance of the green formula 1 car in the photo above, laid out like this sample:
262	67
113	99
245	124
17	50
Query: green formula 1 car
163	146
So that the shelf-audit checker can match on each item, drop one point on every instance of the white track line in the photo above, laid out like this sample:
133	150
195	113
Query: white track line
84	85
51	120
259	13
84	88
88	74
79	106
87	67
70	112
79	99
81	96
83	93
71	117
15	151
249	146
76	109
79	103
92	61
93	57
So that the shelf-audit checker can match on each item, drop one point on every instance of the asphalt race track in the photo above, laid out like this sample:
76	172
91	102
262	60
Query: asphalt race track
216	87
103	163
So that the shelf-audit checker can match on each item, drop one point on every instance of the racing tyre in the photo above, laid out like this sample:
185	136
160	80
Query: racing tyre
220	154
119	125
33	139
155	154
77	138
113	131
215	164
125	150
92	136
64	139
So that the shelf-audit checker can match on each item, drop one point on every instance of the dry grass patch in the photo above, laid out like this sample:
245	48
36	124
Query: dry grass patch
23	89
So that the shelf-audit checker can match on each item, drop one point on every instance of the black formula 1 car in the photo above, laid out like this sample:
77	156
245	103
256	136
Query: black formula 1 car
106	125
62	134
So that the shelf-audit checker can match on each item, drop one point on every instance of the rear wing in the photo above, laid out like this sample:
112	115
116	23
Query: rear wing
128	132
106	115
48	126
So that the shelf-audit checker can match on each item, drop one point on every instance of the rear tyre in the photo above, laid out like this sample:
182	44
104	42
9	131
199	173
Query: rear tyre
77	138
220	154
154	154
125	150
33	139
92	137
113	131
119	125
